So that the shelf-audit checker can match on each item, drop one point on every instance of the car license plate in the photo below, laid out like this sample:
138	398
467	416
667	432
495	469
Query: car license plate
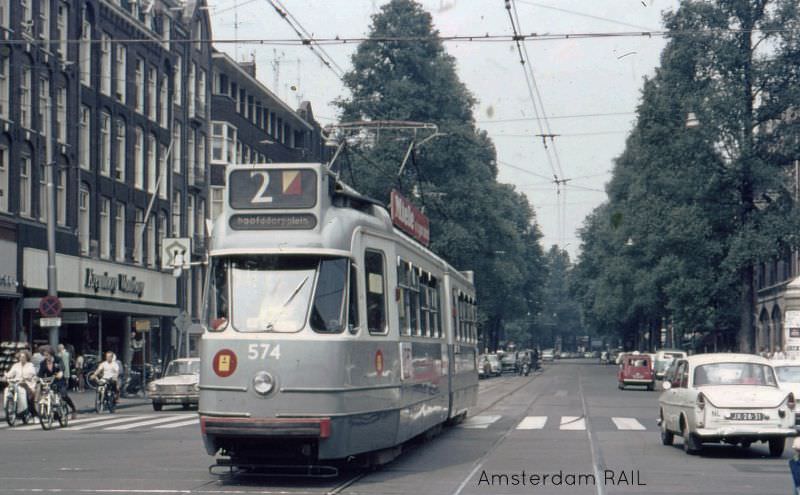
747	416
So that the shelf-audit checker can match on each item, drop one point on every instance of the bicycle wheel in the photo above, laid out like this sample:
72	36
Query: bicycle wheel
11	411
63	415
46	414
98	402
110	402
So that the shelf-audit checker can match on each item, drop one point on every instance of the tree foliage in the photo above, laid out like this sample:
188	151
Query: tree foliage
476	223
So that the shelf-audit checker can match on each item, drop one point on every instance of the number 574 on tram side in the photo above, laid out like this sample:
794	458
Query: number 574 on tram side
330	333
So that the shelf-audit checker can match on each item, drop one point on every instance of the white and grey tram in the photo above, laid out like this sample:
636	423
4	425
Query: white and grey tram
329	334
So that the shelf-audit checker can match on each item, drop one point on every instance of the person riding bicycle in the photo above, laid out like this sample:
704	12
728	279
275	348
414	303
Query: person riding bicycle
24	371
53	368
108	369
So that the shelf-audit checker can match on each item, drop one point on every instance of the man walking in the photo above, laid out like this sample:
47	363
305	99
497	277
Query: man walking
64	356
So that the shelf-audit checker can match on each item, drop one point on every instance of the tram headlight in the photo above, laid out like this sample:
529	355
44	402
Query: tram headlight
263	383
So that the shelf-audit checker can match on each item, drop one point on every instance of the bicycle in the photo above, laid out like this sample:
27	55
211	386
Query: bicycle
105	397
15	403
51	406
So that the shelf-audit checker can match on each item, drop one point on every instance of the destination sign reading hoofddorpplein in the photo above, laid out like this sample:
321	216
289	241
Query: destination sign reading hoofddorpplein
272	189
273	221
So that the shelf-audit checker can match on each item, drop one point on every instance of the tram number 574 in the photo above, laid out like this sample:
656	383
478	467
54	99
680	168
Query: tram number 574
261	351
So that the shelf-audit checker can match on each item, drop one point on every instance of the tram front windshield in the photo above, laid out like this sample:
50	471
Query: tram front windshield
276	293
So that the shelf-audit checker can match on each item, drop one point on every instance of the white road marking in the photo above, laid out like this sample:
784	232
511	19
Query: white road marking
628	424
532	423
178	425
106	422
561	393
572	423
146	423
479	422
36	425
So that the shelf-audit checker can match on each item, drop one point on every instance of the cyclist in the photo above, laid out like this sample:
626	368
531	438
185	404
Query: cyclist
109	369
23	370
51	367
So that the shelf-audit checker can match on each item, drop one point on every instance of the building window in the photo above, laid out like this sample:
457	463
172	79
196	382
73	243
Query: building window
151	242
4	9
120	72
138	230
190	155
176	214
216	202
27	17
201	157
151	94
138	159
84	151
177	83
61	114
5	84
86	53
190	215
151	163
217	142
164	102
25	186
105	144
105	64
62	23
163	168
190	88
61	198
4	179
177	132
139	82
44	104
105	228
83	219
119	231
25	97
119	169
162	233
198	35
43	193
199	225
44	17
201	92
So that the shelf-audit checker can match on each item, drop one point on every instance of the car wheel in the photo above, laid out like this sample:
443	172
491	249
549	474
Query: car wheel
186	406
776	446
691	444
667	437
621	386
157	406
651	386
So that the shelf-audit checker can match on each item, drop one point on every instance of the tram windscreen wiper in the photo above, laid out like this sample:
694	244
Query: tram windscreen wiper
271	324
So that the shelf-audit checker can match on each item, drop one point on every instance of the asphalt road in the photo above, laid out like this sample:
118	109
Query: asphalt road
569	420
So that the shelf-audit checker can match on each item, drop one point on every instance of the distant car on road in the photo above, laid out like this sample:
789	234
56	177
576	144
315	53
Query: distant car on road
635	369
180	384
728	398
494	363
509	362
663	359
548	355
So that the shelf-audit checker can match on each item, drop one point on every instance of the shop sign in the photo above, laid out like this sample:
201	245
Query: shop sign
54	321
410	219
107	283
8	282
142	325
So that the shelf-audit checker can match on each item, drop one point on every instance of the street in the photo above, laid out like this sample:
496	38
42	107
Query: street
558	426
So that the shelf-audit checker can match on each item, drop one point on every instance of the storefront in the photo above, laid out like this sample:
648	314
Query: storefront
106	306
9	287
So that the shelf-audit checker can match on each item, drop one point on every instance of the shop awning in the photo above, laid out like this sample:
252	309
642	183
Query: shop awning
107	306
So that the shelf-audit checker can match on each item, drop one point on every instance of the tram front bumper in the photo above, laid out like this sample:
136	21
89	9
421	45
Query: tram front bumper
266	427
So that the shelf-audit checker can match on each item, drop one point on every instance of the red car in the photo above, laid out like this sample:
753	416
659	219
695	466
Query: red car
636	369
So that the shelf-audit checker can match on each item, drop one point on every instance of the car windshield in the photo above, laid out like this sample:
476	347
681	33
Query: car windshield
788	374
183	368
734	374
493	359
638	362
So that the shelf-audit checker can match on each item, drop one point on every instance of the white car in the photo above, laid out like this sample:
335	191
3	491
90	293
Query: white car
664	358
728	398
788	374
180	384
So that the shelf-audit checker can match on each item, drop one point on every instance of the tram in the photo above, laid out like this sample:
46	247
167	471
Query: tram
330	334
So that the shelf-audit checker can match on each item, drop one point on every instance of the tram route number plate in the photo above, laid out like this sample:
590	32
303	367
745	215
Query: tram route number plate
270	189
273	221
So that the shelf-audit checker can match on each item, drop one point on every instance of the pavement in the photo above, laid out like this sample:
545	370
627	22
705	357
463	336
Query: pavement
543	434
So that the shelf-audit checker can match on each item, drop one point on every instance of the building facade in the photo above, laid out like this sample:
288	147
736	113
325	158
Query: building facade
121	90
250	124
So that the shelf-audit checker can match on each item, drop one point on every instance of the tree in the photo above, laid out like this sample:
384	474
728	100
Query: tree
476	223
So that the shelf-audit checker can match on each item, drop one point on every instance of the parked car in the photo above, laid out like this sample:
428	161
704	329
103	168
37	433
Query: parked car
509	362
663	359
788	375
636	369
180	384
728	398
494	363
548	355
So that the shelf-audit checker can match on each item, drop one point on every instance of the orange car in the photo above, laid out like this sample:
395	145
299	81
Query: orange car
636	369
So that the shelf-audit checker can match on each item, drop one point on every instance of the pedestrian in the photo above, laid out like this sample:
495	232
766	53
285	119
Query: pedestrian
779	354
63	355
37	357
79	364
794	465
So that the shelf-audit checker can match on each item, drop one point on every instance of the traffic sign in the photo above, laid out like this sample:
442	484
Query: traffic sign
176	253
50	306
50	322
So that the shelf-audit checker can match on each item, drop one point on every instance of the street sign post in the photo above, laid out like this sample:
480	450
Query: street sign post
52	321
50	306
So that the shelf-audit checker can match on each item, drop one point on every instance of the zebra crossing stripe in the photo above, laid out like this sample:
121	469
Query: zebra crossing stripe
178	425
36	424
146	423
628	424
479	422
106	422
572	423
532	423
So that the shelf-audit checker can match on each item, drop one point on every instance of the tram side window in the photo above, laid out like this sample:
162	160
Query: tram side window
425	307
414	322
353	320
376	291
436	314
216	311
327	314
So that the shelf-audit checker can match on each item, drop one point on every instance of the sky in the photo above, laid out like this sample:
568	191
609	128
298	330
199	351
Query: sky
589	87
